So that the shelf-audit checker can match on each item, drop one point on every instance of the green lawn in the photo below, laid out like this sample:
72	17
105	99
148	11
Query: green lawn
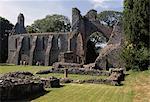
12	68
136	88
34	69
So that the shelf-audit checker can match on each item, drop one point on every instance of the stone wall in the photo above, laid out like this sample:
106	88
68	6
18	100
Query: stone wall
109	57
39	48
50	82
82	28
20	91
19	27
48	48
80	71
19	85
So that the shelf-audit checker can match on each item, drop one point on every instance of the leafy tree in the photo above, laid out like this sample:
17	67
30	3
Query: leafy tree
110	17
98	37
98	40
31	29
136	28
5	26
51	23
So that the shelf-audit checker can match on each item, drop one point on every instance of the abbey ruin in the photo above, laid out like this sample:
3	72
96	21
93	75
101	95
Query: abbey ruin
68	47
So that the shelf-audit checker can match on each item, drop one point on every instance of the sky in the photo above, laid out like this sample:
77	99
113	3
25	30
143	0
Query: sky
38	9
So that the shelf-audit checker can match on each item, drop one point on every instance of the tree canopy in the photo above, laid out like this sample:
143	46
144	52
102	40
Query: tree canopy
5	26
51	23
110	17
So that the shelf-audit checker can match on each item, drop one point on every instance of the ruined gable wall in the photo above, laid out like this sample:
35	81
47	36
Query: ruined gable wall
19	28
85	26
109	56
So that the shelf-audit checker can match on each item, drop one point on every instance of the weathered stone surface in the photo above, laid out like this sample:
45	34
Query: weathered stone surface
109	56
98	81
50	82
67	57
114	79
39	48
65	80
81	71
67	65
70	47
18	85
82	28
43	49
19	28
116	76
89	66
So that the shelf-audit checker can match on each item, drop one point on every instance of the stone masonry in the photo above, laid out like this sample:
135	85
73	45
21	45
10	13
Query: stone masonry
66	47
36	48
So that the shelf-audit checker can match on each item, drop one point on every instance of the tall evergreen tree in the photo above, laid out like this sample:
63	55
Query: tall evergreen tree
136	29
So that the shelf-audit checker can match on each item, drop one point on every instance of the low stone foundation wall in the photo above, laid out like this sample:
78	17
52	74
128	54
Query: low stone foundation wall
117	75
81	71
98	81
20	91
51	82
18	86
67	65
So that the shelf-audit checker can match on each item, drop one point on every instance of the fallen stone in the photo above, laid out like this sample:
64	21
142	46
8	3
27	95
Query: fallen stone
50	82
65	80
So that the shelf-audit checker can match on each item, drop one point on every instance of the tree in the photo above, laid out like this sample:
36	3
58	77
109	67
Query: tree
136	29
31	29
5	26
98	37
99	41
51	23
110	17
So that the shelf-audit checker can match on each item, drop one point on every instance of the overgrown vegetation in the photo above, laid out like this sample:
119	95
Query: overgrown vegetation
136	29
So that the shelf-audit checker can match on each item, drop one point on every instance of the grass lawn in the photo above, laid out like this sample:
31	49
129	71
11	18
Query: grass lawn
136	88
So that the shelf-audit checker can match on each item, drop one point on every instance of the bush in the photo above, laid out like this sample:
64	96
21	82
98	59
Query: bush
136	59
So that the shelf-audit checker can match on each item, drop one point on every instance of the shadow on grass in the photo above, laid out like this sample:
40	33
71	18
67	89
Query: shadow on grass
6	64
60	86
29	97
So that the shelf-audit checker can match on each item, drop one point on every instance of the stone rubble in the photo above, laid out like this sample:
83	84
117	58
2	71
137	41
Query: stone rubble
80	71
21	85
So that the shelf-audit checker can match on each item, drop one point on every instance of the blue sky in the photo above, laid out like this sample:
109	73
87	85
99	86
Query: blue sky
37	9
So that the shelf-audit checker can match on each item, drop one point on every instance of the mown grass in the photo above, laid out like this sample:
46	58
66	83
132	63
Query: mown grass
34	69
74	76
135	88
13	68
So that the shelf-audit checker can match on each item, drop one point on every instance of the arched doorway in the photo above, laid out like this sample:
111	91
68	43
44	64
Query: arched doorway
95	43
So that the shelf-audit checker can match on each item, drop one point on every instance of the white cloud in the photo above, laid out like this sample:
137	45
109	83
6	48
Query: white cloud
32	10
100	3
37	9
106	4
